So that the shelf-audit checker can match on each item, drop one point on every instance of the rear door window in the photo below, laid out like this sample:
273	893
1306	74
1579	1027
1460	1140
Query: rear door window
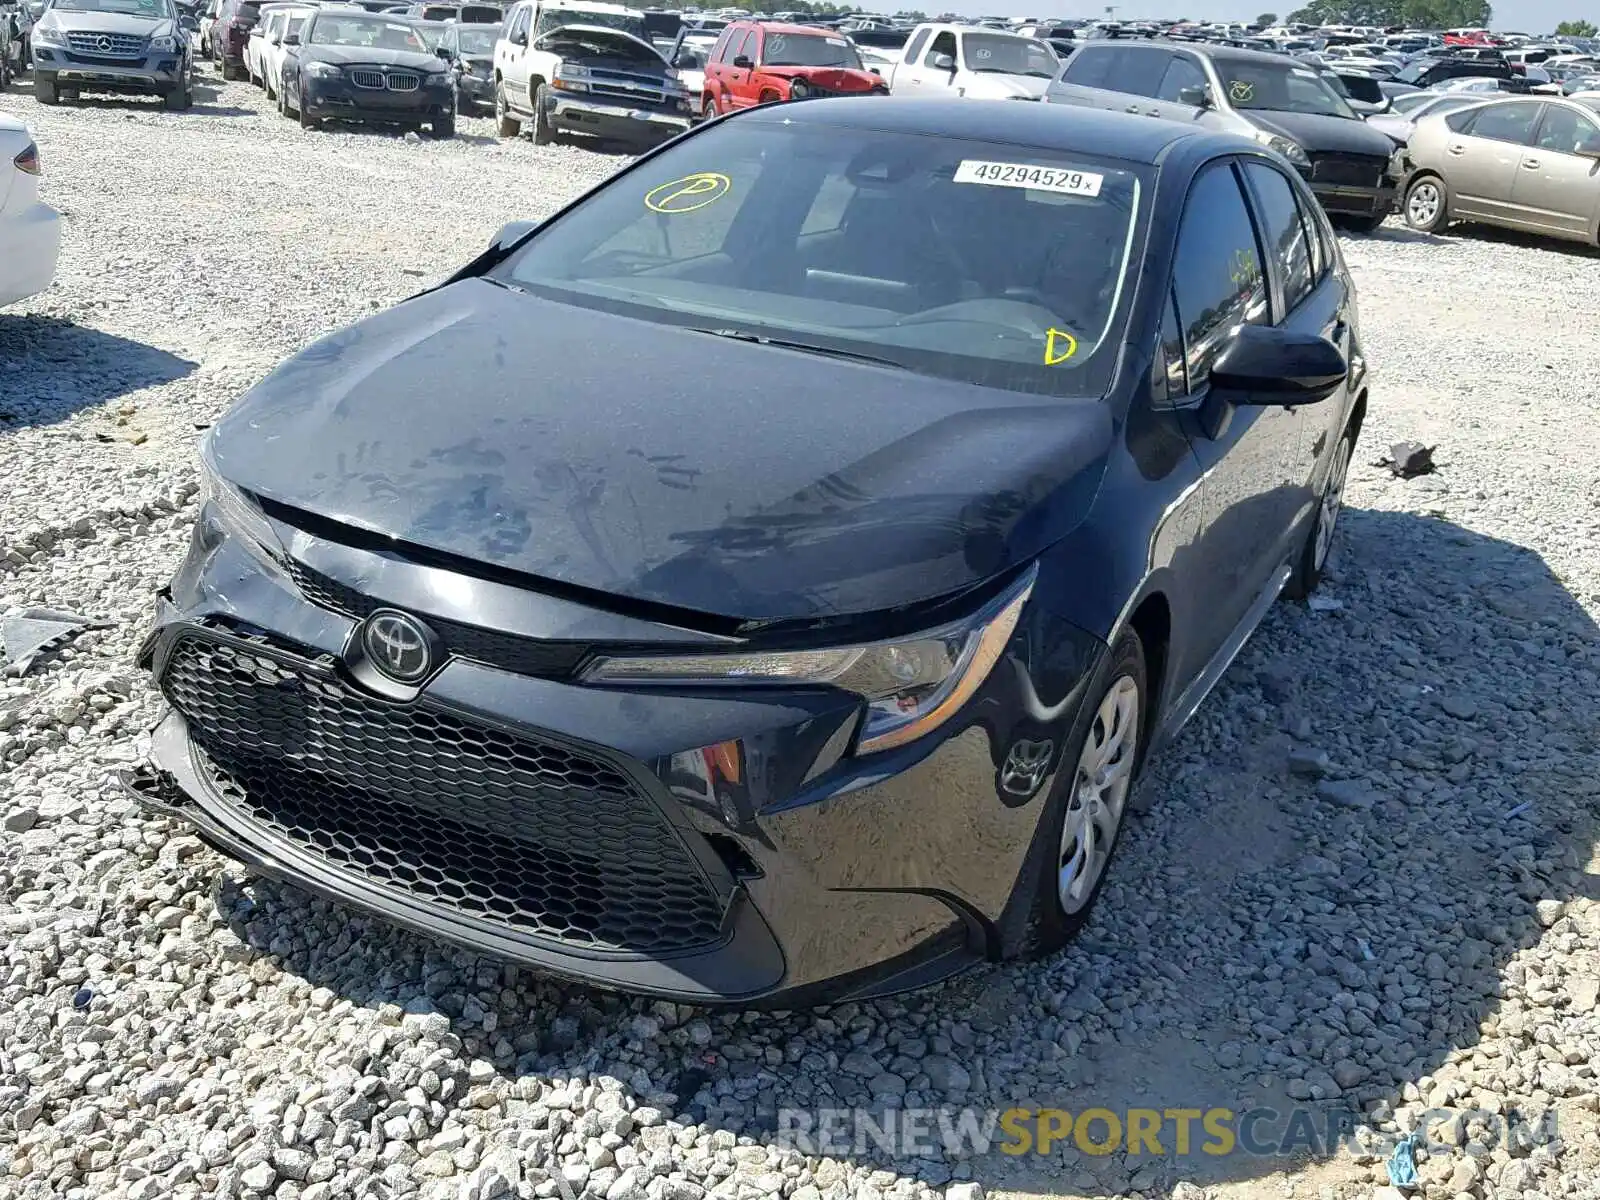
1089	67
1511	122
1138	70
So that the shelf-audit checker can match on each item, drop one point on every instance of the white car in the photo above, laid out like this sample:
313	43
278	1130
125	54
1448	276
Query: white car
264	52
30	230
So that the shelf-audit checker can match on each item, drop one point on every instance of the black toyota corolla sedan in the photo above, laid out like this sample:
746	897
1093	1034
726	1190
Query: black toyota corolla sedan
763	580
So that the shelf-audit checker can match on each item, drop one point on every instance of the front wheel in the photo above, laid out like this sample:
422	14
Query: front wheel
712	112
1079	831
1319	539
443	128
179	99
44	91
1427	204
543	135
307	121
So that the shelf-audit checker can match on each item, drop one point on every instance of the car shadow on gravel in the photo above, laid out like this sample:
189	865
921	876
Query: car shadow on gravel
132	104
1307	941
61	368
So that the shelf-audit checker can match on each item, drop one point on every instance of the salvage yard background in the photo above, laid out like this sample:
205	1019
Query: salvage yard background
1365	876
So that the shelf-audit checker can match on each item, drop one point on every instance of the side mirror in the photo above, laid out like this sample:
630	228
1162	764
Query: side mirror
1195	97
188	23
509	233
743	62
944	62
443	52
1588	148
291	39
1264	365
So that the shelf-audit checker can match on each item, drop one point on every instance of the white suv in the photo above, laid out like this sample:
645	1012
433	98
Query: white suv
30	231
550	88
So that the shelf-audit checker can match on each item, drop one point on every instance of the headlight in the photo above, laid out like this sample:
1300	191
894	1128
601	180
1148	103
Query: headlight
911	686
322	70
164	42
48	35
234	511
1290	150
798	90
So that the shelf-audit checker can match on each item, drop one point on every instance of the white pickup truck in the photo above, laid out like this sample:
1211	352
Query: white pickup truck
979	64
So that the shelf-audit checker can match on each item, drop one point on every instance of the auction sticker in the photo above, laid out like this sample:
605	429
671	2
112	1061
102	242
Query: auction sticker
1024	175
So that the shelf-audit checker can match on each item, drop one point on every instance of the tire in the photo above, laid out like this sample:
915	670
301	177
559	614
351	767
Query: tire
1082	821
283	99
710	110
307	121
44	91
1319	538
443	128
179	99
505	125
543	135
231	72
1427	204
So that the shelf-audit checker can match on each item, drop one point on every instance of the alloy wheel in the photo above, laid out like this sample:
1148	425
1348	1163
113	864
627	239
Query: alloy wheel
1422	205
1332	503
1099	795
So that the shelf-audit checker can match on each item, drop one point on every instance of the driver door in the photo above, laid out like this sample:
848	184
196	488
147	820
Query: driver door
514	66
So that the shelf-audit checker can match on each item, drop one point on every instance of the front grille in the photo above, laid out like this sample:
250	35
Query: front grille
404	81
1348	170
106	45
524	656
492	826
367	79
626	87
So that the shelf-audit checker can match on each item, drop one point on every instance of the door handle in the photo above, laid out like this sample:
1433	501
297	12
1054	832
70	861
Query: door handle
1456	148
1133	108
1530	164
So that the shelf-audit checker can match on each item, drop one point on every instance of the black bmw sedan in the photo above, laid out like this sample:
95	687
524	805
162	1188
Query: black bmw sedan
763	581
351	65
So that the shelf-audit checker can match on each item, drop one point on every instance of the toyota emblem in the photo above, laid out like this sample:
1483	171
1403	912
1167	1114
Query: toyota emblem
103	44
398	645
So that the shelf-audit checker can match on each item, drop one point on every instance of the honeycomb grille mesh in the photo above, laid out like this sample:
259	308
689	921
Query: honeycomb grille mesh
464	817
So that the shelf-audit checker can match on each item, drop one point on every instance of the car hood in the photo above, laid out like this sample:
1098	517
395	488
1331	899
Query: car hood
105	22
418	60
1322	134
992	86
1392	125
659	464
834	79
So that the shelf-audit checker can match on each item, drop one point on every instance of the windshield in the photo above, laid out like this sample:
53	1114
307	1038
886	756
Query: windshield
155	10
1009	55
479	39
555	18
997	265
808	50
372	32
1279	87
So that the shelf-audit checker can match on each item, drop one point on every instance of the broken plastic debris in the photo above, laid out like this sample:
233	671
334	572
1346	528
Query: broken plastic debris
1518	810
27	634
1324	604
1366	950
1402	1164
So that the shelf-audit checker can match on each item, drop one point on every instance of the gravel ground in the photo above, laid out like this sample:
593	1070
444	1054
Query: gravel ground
1364	880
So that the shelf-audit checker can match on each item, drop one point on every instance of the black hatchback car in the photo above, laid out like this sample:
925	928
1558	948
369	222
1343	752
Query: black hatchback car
375	68
507	618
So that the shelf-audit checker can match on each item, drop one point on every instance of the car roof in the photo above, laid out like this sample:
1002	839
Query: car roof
780	27
1137	139
1205	49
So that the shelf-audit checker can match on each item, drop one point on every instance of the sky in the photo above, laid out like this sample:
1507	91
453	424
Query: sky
1530	16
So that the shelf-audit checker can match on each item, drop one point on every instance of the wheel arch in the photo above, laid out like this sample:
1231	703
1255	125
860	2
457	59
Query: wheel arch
1152	621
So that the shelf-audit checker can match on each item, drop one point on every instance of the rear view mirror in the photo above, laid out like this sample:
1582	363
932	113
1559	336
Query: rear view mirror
943	62
1194	97
1266	365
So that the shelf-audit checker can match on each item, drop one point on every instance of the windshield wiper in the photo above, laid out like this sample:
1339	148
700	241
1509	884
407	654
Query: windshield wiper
760	339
